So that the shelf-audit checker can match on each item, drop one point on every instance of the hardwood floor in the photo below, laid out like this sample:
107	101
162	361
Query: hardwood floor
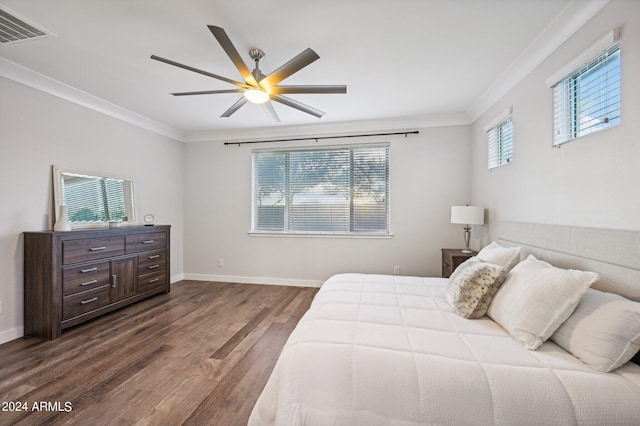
197	356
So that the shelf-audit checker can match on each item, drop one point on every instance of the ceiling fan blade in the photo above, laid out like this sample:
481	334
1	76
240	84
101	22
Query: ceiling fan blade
282	90
208	74
207	92
268	109
293	66
236	106
233	54
297	105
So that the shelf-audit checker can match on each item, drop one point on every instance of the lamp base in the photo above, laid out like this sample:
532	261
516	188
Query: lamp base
467	237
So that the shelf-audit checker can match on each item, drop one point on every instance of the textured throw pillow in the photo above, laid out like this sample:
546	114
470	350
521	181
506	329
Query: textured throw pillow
472	286
603	332
536	298
470	261
506	257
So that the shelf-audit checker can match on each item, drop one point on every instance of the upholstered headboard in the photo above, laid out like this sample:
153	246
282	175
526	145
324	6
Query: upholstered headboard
614	254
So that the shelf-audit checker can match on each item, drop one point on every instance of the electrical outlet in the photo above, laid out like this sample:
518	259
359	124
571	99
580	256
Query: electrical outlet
396	270
220	263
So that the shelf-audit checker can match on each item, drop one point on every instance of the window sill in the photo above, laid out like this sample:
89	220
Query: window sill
362	235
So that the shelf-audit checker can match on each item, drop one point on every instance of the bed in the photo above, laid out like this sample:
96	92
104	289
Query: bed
384	349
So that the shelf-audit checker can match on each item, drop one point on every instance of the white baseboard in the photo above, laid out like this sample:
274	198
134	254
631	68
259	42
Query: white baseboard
11	334
253	280
175	278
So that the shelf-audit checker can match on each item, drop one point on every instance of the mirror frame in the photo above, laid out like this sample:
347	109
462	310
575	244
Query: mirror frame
130	201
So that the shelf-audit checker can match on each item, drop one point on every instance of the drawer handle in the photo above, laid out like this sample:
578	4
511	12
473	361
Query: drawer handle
115	280
84	271
148	241
154	280
154	266
93	299
89	282
98	248
155	256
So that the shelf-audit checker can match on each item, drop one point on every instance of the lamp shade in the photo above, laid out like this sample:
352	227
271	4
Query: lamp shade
467	215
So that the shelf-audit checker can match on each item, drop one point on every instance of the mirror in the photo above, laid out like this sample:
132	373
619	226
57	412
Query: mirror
93	199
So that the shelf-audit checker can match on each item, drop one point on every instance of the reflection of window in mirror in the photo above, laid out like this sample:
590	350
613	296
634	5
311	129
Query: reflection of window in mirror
92	199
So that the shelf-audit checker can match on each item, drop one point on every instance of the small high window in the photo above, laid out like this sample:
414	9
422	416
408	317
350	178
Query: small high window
500	140
587	99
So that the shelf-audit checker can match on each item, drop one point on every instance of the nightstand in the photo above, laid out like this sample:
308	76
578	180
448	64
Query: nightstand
452	258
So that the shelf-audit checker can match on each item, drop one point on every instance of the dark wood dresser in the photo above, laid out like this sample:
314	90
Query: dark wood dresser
71	277
451	259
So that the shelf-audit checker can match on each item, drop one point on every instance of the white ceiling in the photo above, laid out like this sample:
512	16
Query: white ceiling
399	59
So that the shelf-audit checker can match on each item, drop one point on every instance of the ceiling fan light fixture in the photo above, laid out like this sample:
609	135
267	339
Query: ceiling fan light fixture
256	96
257	87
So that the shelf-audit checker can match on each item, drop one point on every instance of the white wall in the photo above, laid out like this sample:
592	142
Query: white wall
39	130
592	181
429	173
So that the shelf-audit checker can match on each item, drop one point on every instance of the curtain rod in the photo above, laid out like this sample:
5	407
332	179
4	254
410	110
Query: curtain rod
413	132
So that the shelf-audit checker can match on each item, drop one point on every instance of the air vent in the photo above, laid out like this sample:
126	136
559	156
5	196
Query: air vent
14	28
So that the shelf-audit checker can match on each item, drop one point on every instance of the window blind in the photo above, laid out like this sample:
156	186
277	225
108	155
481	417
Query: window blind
91	199
324	190
114	199
588	99
500	141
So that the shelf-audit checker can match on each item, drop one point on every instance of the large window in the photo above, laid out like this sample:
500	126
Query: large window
342	190
588	99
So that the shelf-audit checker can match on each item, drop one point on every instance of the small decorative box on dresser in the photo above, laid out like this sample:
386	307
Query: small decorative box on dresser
71	277
451	259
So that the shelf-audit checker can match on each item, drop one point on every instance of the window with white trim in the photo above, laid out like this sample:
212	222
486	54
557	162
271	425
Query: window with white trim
333	190
587	99
501	144
500	140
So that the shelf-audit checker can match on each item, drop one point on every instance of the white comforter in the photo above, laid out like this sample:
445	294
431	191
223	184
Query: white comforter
381	350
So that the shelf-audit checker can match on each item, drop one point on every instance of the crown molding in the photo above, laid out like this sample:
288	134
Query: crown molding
38	81
389	124
567	23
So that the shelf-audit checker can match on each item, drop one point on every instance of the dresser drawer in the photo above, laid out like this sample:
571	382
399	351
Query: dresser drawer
80	303
149	282
153	267
147	241
150	259
76	251
85	277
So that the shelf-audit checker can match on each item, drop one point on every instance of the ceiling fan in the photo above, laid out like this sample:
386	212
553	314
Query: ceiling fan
259	88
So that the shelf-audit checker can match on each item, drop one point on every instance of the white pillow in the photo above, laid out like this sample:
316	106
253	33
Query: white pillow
536	298
507	257
603	332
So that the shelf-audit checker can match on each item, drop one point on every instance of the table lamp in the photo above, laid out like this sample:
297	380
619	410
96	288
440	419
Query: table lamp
467	215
